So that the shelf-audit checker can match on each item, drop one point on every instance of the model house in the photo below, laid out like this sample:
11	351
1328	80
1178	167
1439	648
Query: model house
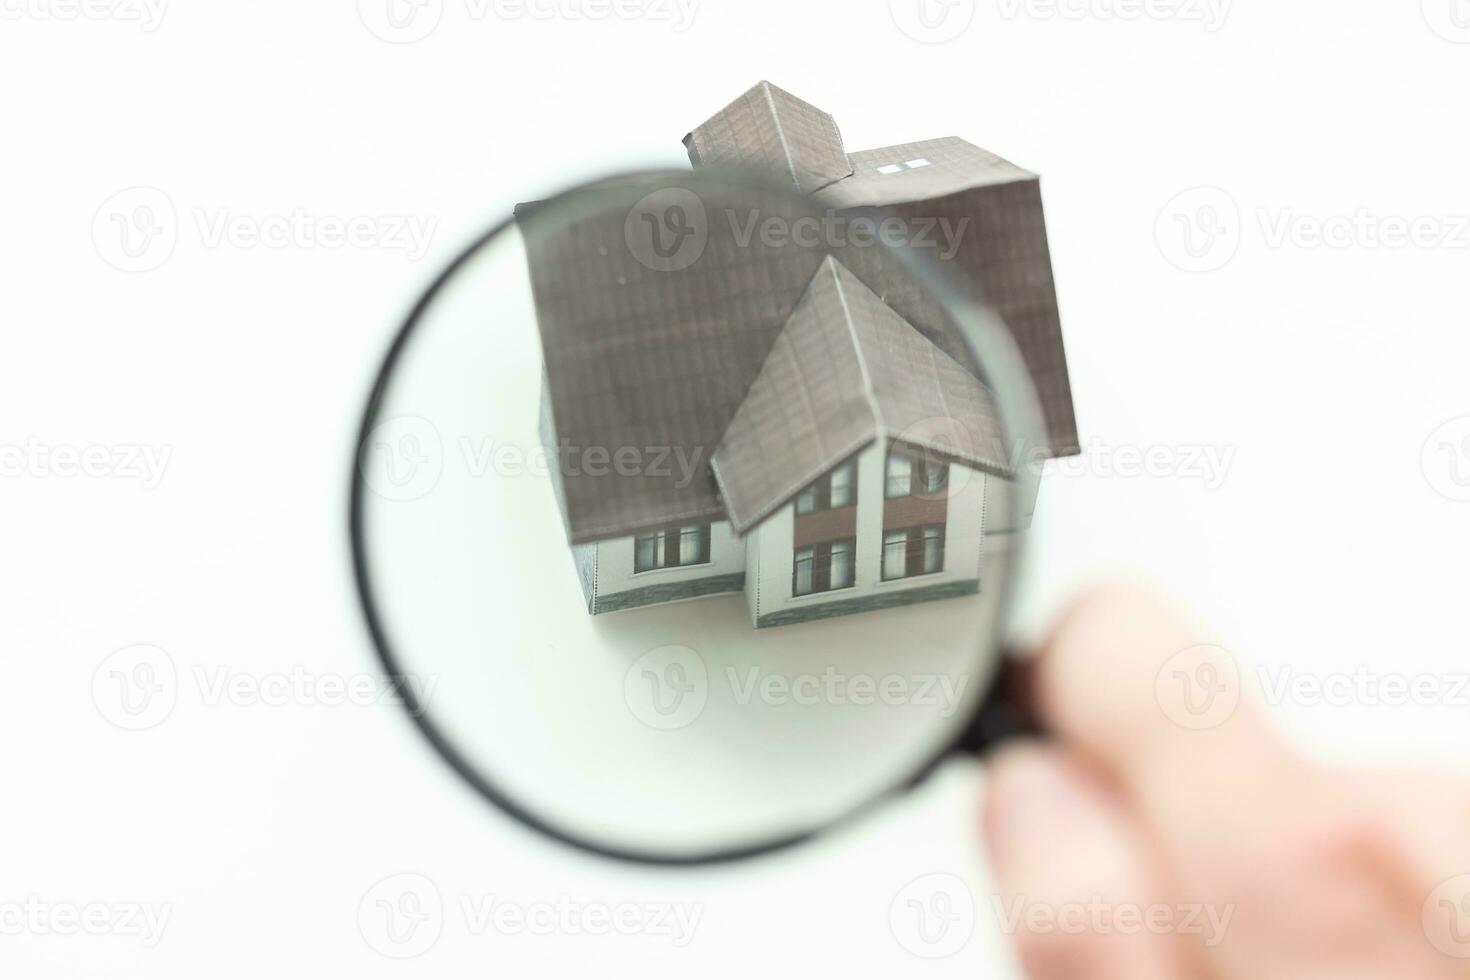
818	439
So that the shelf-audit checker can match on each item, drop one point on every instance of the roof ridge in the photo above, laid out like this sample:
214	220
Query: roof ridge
936	354
929	343
832	264
781	133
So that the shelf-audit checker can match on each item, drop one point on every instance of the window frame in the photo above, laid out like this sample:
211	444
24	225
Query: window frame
906	478
803	556
817	558
936	534
669	546
890	540
921	467
914	541
816	497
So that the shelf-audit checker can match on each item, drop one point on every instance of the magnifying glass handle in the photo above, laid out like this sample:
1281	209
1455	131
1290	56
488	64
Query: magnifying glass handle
1006	713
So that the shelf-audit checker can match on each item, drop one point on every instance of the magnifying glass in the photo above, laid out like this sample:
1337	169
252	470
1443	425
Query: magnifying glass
687	512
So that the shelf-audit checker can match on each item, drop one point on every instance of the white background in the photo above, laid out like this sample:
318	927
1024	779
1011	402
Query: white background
1334	540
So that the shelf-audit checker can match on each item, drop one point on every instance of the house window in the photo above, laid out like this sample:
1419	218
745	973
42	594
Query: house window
932	477
932	559
913	551
801	574
671	547
900	475
823	567
806	501
908	475
895	554
842	486
837	489
897	168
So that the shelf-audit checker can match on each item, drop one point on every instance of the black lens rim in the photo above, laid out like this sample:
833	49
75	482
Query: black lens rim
981	732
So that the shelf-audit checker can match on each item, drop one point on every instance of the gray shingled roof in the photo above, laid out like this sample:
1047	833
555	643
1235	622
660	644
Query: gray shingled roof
846	370
1003	259
768	130
660	360
651	362
946	166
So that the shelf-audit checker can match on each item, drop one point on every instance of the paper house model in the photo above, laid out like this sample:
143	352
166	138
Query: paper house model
816	438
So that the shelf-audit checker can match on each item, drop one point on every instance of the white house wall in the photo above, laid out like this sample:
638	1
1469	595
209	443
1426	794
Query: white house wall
770	552
761	563
617	586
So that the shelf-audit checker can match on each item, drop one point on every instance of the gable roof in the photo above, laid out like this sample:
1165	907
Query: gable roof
658	361
846	370
770	131
1001	257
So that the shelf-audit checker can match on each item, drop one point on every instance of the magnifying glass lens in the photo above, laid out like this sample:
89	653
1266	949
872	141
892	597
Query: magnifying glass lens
686	514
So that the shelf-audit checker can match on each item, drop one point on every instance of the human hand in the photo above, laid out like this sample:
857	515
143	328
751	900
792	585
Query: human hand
1135	847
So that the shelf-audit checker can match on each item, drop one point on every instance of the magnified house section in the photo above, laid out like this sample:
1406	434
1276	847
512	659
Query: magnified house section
734	410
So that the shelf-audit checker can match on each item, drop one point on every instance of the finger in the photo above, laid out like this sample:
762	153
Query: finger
1242	821
1124	681
1427	817
1128	683
1428	821
1074	888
